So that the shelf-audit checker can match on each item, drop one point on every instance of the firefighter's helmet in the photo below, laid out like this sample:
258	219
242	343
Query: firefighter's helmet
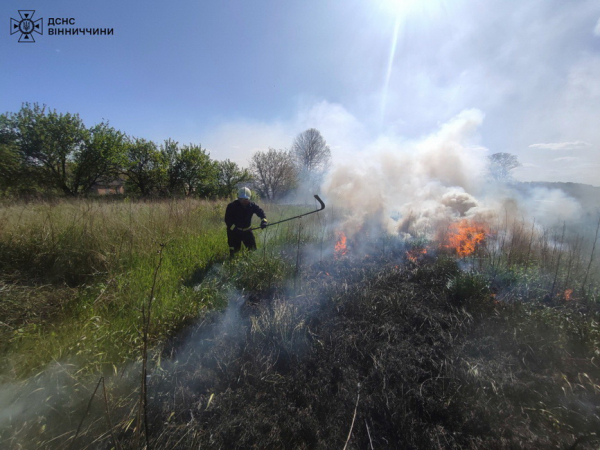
244	193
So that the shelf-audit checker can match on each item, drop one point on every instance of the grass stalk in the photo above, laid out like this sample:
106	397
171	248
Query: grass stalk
589	266
527	258
353	418
297	271
146	320
108	419
89	405
574	250
369	434
559	257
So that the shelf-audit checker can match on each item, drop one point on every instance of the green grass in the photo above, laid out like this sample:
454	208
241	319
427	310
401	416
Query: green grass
75	275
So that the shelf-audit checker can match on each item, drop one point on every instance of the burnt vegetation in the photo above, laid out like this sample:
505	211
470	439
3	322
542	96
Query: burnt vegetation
379	352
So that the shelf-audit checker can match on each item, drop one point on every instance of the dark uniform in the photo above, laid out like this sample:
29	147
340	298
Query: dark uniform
238	219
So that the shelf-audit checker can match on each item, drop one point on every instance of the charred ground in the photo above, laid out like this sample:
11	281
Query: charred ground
393	354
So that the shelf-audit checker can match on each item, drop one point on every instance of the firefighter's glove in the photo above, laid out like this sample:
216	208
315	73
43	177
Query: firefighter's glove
264	223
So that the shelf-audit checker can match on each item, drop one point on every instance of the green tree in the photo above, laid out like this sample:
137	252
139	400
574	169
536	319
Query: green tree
10	168
171	154
197	171
101	158
55	150
230	175
9	156
146	167
190	171
48	141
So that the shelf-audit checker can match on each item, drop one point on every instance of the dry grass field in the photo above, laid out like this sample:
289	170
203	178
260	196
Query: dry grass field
124	325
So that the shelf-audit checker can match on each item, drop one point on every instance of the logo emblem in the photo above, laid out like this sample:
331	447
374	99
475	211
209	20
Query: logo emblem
26	26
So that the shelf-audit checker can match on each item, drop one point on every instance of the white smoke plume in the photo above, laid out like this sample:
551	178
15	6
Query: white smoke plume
413	187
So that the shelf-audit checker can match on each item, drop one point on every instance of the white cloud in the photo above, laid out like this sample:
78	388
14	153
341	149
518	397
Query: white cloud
562	145
567	159
597	29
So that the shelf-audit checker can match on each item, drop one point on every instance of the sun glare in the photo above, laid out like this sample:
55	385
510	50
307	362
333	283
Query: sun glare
403	8
400	10
399	7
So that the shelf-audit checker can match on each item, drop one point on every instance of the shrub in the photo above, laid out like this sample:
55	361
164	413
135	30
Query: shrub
468	289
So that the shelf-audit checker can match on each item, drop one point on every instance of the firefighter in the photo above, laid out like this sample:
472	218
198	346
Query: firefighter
238	218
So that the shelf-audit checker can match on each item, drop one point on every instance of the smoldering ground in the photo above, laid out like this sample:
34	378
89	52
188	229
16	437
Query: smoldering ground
381	352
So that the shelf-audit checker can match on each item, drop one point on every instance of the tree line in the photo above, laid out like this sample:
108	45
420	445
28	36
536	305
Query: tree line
43	151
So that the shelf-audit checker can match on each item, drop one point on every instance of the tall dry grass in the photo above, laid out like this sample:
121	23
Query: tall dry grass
83	268
74	274
559	262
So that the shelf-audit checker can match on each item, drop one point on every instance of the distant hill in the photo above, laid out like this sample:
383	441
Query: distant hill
586	194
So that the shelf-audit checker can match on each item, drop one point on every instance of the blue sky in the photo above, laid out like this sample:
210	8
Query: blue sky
239	76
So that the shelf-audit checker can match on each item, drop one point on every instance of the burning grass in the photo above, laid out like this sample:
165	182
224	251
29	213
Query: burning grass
341	248
465	237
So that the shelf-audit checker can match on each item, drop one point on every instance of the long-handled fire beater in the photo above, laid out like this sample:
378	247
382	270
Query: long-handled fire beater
295	217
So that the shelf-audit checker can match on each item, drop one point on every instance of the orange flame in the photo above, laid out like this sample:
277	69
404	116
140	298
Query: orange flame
413	255
340	246
465	236
568	294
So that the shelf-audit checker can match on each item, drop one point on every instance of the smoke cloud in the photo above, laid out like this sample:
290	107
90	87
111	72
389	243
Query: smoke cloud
416	186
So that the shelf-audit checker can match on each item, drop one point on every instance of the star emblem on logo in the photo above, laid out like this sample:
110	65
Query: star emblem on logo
26	26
